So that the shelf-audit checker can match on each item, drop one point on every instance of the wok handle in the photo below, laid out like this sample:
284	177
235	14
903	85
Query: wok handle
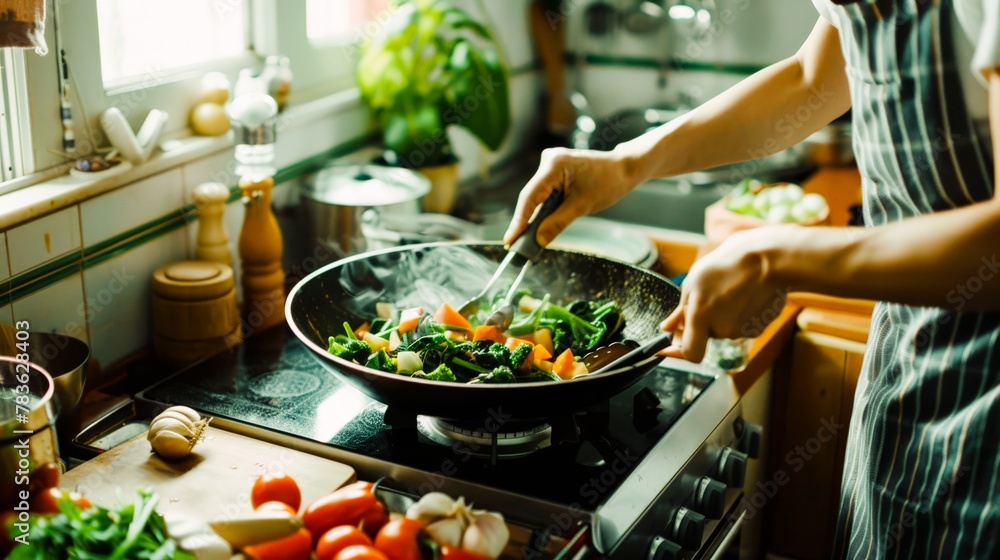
526	244
643	352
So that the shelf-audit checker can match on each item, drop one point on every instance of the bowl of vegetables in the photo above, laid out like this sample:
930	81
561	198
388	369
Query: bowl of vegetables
753	204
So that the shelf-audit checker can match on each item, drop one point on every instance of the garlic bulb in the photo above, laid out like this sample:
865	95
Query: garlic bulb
434	506
453	523
487	533
174	432
448	531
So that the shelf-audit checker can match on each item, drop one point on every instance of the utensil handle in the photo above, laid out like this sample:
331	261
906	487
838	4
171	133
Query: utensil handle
651	347
527	244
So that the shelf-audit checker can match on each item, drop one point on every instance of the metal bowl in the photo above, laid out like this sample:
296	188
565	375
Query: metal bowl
66	359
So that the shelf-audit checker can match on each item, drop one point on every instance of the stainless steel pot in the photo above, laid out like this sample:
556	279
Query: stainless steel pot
66	359
334	201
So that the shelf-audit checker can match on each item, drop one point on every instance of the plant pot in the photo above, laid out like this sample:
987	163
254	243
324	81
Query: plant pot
444	185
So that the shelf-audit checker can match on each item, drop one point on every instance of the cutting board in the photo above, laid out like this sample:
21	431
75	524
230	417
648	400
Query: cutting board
212	483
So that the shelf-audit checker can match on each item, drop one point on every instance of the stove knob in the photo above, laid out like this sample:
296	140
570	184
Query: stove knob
750	442
710	498
662	549
732	467
689	526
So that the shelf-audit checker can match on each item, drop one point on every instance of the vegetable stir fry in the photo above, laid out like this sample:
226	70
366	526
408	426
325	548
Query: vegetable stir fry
544	342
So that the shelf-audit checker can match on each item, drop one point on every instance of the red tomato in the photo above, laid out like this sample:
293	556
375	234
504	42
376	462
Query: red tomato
354	504
293	547
399	539
455	553
276	507
45	476
339	538
47	501
360	552
278	487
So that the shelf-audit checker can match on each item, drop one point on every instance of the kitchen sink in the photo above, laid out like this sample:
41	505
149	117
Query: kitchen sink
679	202
667	204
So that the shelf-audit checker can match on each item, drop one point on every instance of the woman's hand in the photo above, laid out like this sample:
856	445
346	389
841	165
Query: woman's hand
729	293
591	181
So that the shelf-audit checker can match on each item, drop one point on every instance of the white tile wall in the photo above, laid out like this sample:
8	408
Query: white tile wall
44	239
131	206
4	263
6	315
118	297
58	308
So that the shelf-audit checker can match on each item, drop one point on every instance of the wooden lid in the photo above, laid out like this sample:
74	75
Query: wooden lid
192	280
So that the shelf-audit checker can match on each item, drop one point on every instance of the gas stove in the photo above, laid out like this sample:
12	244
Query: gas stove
655	471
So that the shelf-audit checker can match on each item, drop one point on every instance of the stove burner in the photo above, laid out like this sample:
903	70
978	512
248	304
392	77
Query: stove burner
519	439
285	384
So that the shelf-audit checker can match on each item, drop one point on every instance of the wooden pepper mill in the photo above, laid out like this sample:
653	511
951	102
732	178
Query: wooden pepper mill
213	242
260	244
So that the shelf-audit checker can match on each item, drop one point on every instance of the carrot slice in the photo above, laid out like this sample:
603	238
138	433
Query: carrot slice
564	365
539	354
488	332
447	315
409	319
360	331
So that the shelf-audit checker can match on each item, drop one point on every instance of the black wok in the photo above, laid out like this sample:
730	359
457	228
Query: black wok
347	290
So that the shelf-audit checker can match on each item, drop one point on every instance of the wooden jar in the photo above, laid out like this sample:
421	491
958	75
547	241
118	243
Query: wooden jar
195	313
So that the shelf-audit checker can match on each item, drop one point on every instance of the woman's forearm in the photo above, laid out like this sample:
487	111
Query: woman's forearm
947	259
768	112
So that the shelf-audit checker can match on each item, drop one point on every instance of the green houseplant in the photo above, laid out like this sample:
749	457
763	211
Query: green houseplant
432	66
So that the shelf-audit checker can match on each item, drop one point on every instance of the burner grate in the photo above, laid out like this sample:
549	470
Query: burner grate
517	439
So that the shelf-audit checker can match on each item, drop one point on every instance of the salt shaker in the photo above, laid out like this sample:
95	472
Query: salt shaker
213	242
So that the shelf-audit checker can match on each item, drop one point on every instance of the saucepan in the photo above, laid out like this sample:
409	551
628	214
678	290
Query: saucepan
348	290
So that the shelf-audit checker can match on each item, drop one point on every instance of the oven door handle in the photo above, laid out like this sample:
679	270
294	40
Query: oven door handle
731	534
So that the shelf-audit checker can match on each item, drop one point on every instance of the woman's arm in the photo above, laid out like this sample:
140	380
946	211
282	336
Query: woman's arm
770	111
948	259
765	113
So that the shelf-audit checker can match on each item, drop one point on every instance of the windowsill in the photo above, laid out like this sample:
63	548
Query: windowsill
50	193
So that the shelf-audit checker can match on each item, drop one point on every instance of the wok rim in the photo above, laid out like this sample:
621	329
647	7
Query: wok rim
359	369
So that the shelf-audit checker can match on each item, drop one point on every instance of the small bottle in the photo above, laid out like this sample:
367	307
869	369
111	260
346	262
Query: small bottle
277	77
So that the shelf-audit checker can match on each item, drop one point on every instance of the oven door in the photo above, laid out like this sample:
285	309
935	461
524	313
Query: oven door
724	544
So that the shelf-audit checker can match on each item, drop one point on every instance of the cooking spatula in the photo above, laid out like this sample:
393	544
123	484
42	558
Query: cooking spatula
525	248
617	355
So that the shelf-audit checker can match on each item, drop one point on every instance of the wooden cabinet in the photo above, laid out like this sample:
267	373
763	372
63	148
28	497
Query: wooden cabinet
813	399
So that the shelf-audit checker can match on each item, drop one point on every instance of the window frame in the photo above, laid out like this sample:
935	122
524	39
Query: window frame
273	27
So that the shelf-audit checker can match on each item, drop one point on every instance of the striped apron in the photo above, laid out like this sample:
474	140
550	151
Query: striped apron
923	459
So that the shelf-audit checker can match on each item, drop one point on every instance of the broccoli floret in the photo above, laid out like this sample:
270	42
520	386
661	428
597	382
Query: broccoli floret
442	373
381	361
500	374
519	355
348	348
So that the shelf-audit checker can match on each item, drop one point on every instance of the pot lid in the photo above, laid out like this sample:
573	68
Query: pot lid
366	185
609	239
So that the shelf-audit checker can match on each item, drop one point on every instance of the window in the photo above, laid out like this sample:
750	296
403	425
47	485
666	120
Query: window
340	21
138	55
143	38
11	121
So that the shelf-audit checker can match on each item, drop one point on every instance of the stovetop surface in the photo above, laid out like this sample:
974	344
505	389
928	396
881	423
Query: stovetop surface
273	381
